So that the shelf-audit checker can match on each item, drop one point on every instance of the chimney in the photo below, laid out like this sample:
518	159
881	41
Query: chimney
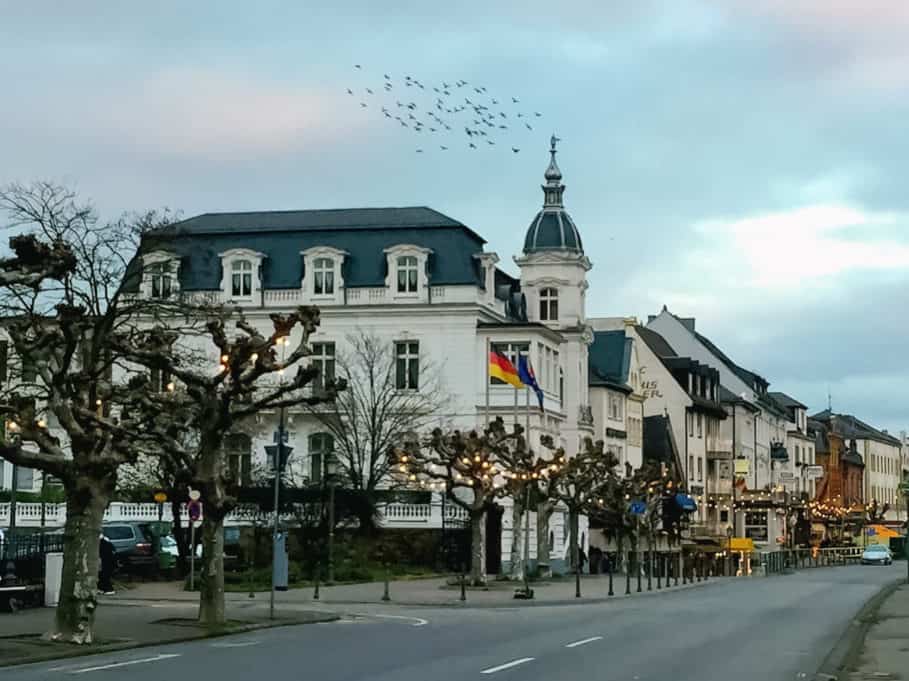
650	318
688	323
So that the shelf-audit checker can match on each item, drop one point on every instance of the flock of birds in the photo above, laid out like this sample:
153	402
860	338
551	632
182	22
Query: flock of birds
447	111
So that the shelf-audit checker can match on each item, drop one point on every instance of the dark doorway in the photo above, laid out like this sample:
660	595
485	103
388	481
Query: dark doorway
494	539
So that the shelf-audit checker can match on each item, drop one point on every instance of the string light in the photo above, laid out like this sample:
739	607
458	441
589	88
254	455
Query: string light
224	359
254	357
42	423
171	387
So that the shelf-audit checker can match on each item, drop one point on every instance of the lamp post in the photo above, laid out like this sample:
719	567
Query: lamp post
331	478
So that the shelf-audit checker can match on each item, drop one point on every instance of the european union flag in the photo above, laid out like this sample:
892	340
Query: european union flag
528	378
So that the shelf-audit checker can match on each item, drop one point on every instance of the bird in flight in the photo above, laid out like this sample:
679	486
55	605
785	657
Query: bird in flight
443	148
472	145
363	104
369	91
419	151
387	77
349	91
357	66
514	100
537	114
528	126
515	149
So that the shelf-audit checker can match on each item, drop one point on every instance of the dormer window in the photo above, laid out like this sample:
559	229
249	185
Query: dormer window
161	280
160	275
407	278
241	274
549	305
241	279
323	277
407	274
323	274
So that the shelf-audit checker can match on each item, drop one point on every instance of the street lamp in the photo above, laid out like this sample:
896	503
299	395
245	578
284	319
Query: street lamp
331	479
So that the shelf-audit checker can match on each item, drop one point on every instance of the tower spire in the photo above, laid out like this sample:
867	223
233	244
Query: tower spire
553	189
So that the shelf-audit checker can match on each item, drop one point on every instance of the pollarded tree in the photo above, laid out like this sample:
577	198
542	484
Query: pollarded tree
577	484
247	379
387	399
60	300
472	468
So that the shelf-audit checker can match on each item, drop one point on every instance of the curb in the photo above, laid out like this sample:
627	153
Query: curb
848	646
75	651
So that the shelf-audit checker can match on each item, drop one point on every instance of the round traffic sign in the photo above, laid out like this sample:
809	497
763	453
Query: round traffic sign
160	497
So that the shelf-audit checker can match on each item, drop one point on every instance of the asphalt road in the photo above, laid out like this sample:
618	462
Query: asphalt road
753	629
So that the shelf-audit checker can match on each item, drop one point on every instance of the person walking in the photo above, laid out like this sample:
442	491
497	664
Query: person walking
108	556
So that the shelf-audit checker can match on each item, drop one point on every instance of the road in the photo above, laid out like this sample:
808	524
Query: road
758	629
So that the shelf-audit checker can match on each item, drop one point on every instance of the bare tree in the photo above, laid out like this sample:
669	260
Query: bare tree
386	402
61	298
247	379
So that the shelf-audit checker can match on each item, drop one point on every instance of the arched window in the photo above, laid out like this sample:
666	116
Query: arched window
320	445
241	279
323	276
549	305
238	447
407	274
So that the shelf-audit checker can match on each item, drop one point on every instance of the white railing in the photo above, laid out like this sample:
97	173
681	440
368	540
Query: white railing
283	296
396	515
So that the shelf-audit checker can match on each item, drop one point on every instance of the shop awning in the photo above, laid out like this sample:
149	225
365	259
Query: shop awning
881	531
685	502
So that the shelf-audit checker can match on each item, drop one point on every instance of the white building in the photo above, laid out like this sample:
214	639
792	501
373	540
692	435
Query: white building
755	439
421	282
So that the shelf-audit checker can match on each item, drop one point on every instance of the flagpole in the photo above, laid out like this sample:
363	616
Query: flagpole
486	359
516	413
527	412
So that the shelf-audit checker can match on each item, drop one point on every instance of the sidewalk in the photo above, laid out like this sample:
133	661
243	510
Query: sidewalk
120	626
430	592
884	653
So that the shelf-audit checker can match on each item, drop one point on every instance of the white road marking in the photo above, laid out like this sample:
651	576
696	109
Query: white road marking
114	665
417	621
584	641
508	665
235	644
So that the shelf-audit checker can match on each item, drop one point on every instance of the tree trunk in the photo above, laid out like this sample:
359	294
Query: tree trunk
517	525
211	585
544	513
478	548
75	617
572	540
180	534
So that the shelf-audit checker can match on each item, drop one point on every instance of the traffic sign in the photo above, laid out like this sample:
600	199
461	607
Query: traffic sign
160	497
638	508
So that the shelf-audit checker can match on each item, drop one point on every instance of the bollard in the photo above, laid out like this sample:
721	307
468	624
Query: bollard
706	569
650	571
637	569
628	575
698	567
675	569
463	583
611	570
315	591
659	571
386	596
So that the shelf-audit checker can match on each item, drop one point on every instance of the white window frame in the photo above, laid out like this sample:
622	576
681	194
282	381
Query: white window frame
549	304
236	255
241	277
324	358
313	263
150	263
421	254
409	267
409	356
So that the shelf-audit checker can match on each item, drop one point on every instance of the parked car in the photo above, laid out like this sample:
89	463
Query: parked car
135	544
877	554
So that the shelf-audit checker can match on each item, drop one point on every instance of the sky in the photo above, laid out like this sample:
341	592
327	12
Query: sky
740	162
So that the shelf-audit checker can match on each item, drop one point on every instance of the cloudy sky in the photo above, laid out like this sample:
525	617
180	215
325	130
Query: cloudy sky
741	162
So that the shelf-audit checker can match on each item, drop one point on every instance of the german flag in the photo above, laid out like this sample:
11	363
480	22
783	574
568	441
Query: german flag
503	369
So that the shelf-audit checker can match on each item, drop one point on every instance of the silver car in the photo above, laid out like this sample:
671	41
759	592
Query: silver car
877	554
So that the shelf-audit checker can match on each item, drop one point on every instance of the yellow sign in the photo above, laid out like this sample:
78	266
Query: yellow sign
160	497
741	466
741	544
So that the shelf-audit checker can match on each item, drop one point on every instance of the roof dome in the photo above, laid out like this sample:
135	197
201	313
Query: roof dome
553	229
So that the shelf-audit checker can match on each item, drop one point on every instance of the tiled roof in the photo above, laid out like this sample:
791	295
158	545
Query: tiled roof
852	428
784	400
364	233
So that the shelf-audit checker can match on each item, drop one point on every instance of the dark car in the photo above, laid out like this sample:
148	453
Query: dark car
135	545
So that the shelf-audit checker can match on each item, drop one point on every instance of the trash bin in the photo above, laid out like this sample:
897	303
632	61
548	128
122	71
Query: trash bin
279	566
53	576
